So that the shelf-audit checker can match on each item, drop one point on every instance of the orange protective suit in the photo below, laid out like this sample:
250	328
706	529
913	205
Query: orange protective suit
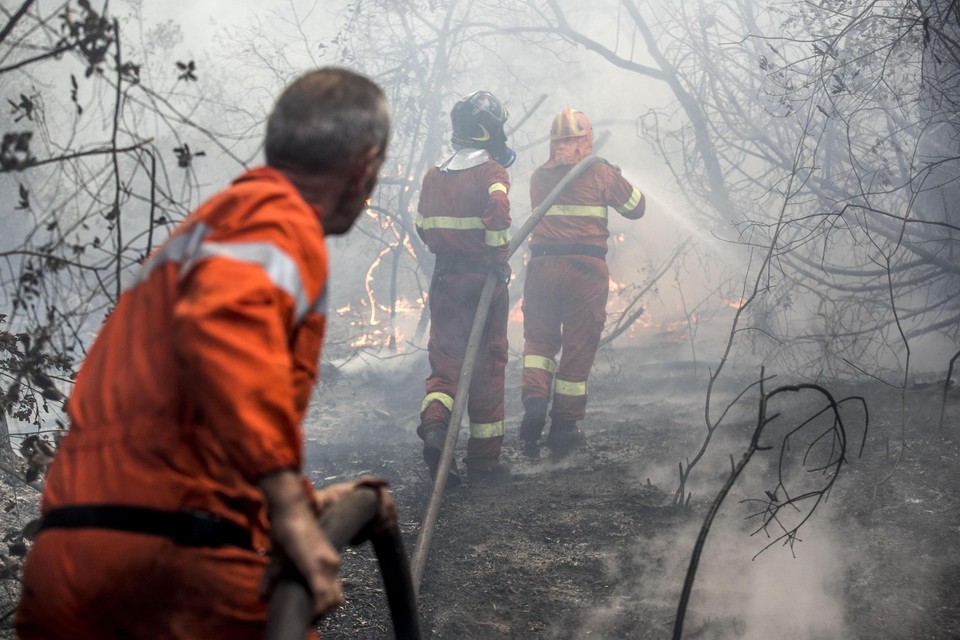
565	292
224	325
464	218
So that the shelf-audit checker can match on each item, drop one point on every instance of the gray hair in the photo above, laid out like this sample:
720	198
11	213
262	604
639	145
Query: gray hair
327	119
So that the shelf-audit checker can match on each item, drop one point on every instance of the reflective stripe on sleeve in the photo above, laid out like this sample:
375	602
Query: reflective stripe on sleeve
585	210
177	249
450	222
189	248
486	429
497	238
566	388
443	398
279	267
632	203
496	186
539	362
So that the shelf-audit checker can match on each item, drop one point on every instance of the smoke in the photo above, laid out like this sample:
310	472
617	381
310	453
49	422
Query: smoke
798	596
797	591
778	595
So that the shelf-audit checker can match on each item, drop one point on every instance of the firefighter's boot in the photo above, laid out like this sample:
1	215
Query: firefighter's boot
564	437
433	439
487	474
534	418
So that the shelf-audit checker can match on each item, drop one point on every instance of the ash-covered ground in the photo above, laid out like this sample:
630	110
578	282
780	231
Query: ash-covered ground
595	547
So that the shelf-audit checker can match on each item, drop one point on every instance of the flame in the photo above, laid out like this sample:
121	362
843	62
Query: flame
385	334
676	331
375	323
516	312
368	284
386	337
409	247
375	338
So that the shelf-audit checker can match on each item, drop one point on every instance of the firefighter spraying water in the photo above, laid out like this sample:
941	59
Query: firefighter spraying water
565	292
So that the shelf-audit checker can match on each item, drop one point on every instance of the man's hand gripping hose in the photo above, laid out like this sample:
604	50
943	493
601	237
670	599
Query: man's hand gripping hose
350	513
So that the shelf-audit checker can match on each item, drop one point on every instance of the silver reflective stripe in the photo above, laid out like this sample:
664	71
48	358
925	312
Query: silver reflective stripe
279	267
176	249
464	158
189	249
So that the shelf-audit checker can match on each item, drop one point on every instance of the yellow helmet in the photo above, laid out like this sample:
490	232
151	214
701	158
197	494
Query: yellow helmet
570	123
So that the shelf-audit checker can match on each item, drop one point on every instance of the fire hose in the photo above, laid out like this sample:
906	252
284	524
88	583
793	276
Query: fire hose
291	604
466	373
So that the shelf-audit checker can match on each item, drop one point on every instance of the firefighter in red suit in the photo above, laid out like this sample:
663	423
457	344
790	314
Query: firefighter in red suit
464	218
565	292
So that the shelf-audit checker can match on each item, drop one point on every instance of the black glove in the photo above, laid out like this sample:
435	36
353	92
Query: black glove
502	271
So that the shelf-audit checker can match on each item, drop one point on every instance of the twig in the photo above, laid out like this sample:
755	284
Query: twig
773	504
528	114
14	19
116	161
78	154
946	388
622	325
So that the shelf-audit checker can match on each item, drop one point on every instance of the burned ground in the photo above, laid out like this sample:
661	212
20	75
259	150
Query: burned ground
594	546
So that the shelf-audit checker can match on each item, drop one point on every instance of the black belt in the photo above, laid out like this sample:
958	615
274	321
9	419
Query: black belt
186	527
458	264
589	250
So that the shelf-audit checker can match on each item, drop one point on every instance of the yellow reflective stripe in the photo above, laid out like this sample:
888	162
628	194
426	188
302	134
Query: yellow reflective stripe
419	221
486	429
496	186
539	362
577	210
449	222
632	203
443	398
563	387
497	238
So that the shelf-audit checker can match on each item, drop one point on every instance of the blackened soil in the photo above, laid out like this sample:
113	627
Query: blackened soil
594	546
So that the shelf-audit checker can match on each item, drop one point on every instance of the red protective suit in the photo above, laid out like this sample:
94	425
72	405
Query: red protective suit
193	391
565	293
464	218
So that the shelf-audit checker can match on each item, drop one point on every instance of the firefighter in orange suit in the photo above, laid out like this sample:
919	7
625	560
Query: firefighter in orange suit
464	218
182	464
565	292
